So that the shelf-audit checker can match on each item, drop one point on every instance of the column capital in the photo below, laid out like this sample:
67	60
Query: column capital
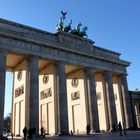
3	52
91	67
89	70
107	72
60	62
122	75
33	62
32	57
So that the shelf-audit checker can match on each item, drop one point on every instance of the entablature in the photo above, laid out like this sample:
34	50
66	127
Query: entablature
61	41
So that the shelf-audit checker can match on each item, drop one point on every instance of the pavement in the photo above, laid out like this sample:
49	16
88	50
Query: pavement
131	135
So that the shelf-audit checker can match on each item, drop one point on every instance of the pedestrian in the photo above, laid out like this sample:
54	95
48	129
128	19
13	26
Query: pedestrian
113	128
124	128
88	129
120	128
30	133
71	133
33	130
42	131
12	135
24	132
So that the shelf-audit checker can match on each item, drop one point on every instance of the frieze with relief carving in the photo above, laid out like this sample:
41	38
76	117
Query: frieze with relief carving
46	93
74	82
99	96
45	79
75	95
115	96
19	91
71	40
19	75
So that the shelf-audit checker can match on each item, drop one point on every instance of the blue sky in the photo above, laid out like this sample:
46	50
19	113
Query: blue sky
112	24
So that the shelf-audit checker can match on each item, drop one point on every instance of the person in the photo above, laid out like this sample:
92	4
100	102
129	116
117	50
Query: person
8	130
124	128
30	133
24	132
88	129
33	130
12	135
42	131
113	128
71	133
120	128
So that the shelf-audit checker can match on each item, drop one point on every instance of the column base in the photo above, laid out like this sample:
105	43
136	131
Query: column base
94	131
132	128
63	133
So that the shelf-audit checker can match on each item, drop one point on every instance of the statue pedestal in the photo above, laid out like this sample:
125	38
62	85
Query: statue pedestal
75	42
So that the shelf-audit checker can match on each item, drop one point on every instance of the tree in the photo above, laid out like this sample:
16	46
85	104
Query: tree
7	122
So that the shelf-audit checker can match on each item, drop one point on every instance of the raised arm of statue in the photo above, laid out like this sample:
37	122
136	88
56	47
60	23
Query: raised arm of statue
63	14
78	26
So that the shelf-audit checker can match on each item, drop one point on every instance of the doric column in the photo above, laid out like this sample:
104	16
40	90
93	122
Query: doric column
12	112
126	103
2	87
133	112
111	100
62	99
121	99
93	108
33	93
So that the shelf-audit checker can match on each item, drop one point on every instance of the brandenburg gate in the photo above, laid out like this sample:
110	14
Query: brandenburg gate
61	82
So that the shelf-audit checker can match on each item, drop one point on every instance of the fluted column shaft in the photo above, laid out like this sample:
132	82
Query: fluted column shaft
121	99
62	99
33	93
2	87
127	104
133	112
92	98
111	100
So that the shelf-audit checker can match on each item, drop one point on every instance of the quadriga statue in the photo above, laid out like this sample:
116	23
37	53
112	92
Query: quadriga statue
76	31
83	32
68	27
